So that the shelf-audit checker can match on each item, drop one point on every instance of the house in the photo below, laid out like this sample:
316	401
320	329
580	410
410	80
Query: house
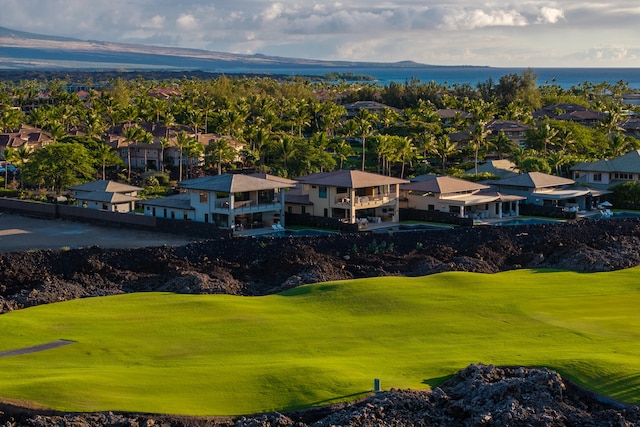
228	200
460	197
548	190
570	112
177	206
372	107
516	131
350	195
106	195
28	137
609	172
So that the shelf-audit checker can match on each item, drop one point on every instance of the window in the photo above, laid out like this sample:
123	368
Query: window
322	192
597	177
341	190
204	197
619	175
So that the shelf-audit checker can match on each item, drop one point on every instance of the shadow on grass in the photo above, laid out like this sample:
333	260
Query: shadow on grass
434	382
351	398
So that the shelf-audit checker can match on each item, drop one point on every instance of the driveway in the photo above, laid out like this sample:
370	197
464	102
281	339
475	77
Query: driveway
20	233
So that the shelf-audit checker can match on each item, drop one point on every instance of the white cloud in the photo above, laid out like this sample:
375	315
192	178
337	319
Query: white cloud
550	15
155	22
186	22
477	18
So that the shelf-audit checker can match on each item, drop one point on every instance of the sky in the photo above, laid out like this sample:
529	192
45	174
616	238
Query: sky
566	33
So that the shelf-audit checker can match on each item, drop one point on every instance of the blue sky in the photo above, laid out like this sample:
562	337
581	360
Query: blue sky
565	33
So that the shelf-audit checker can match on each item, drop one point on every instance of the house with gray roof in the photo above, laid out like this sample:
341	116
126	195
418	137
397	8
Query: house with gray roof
106	195
609	172
548	190
459	197
350	195
228	200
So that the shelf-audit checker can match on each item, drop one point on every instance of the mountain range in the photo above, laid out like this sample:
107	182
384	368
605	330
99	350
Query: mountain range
21	50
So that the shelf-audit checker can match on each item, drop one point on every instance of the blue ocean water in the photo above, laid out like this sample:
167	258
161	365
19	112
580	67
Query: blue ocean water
563	77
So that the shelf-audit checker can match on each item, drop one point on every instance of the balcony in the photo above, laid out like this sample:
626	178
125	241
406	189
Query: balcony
244	206
365	201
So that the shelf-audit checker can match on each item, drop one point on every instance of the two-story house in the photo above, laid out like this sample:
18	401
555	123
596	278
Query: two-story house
349	195
609	172
228	200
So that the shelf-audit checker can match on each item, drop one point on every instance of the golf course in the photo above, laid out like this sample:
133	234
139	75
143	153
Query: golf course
322	343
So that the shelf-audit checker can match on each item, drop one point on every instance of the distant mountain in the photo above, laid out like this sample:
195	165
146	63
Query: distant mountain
21	50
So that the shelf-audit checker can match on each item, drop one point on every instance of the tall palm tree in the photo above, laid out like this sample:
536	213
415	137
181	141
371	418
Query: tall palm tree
146	138
363	128
182	142
165	143
445	148
131	135
342	150
478	139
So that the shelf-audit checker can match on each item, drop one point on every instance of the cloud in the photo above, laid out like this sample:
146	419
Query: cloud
156	22
186	22
550	15
478	18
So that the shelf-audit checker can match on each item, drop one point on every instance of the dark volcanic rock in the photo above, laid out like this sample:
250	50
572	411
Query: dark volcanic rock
478	395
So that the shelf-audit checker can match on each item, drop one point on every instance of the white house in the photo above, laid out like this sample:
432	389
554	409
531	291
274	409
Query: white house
106	195
228	200
460	197
609	172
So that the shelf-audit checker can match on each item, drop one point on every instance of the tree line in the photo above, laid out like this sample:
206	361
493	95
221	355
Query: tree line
296	127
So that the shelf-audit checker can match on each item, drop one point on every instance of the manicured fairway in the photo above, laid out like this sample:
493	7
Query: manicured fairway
219	354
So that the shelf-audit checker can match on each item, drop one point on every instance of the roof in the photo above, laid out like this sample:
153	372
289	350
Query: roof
105	186
350	179
107	197
444	185
534	180
177	201
231	183
273	178
629	163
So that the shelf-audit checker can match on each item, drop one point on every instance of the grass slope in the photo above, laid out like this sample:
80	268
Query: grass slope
220	354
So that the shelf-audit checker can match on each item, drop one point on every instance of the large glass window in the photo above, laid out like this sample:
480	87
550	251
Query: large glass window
322	192
204	197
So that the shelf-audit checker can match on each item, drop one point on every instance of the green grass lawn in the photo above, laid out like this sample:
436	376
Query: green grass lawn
220	354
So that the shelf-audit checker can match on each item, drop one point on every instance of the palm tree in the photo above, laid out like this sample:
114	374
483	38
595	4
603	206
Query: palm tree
342	150
182	142
131	135
478	139
218	151
106	155
363	129
165	143
445	148
146	138
17	157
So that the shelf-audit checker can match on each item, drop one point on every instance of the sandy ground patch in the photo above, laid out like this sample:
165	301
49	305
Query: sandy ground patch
20	233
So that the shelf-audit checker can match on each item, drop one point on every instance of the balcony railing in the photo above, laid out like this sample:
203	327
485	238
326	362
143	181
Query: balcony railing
366	200
246	205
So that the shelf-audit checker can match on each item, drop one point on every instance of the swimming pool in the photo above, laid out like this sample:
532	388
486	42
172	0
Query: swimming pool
526	221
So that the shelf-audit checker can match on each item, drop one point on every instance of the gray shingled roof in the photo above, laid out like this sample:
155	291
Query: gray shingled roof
628	163
106	186
350	179
107	197
444	185
177	201
231	183
534	180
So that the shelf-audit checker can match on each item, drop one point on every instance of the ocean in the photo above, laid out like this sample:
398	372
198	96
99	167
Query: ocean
563	77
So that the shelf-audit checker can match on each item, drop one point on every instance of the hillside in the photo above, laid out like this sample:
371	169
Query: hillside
245	266
23	50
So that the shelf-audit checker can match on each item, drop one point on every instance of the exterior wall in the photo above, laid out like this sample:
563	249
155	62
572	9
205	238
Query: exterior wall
480	211
593	177
347	205
170	213
104	206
